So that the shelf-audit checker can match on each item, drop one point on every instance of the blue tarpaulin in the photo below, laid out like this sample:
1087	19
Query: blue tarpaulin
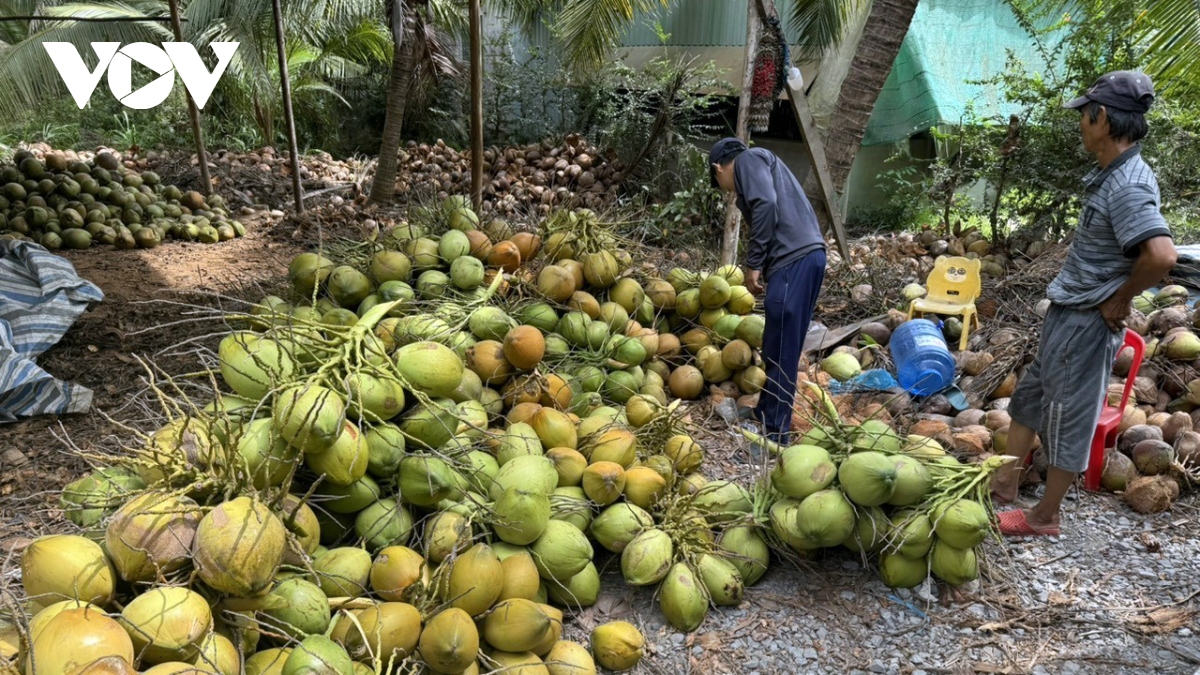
41	296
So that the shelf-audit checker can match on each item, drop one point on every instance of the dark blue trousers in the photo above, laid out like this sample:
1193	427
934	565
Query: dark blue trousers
791	298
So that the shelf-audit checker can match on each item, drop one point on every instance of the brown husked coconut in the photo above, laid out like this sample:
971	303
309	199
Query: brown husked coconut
1005	336
898	402
1123	362
1118	472
974	363
1145	389
1151	494
972	440
968	418
1163	320
996	419
1152	458
1137	322
1175	425
1000	404
937	405
1164	403
1158	419
1132	417
935	429
1130	437
1006	387
1187	449
1036	472
877	331
894	318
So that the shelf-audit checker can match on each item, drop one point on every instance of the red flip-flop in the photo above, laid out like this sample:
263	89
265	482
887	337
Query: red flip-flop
1015	524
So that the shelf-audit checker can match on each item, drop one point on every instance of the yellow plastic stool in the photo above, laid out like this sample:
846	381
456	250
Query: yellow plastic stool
953	286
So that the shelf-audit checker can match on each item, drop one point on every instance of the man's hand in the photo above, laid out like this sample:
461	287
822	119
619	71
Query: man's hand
752	282
1115	311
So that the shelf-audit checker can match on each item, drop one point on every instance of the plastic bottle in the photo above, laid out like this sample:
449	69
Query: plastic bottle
795	79
924	365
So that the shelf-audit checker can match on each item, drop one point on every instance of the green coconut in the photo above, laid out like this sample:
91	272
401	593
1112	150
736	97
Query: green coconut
347	286
383	523
963	524
571	505
683	598
647	558
348	498
310	417
521	516
913	481
491	323
429	367
266	457
722	500
431	426
803	470
561	552
343	572
381	397
518	440
390	266
535	473
345	462
582	590
898	571
868	478
239	547
910	534
955	566
841	366
307	271
748	552
253	365
90	499
820	520
318	655
425	480
303	609
618	524
722	580
152	534
871	527
466	273
876	435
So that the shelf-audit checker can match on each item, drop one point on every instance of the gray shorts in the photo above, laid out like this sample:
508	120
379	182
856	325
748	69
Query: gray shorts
1063	390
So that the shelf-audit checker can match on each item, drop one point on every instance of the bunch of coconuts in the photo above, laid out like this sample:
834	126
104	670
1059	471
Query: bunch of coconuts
542	175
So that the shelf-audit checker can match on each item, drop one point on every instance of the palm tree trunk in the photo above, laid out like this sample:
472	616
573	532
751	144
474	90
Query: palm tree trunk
882	36
383	190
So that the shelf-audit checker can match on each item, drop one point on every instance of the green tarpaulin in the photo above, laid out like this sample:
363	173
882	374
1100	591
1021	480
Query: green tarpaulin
949	44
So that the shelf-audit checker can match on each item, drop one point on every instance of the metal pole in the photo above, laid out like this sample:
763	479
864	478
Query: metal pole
733	217
297	190
476	105
193	111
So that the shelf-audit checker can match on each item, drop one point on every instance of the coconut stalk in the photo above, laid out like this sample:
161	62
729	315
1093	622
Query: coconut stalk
286	82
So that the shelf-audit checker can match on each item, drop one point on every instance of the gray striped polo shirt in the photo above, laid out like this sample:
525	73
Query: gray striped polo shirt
1120	211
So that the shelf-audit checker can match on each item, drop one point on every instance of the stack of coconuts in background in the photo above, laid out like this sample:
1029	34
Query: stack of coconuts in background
59	200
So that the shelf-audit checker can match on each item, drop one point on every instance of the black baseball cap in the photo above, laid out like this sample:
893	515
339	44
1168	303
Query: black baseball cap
724	151
1126	90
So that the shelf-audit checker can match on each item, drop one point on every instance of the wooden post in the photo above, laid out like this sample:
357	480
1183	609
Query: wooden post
476	106
297	190
193	111
733	217
814	149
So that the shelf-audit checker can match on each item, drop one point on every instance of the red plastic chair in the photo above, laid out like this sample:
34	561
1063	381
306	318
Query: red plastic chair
1110	417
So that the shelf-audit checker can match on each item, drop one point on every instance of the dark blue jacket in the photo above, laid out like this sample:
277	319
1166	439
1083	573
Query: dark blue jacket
783	225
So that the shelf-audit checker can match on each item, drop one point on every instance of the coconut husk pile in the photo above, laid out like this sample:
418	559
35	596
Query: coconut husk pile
542	175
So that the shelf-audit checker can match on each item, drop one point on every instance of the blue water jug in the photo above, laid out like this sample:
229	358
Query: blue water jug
924	365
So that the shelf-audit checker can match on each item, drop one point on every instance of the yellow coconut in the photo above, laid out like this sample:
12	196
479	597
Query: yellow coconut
310	417
345	462
686	382
556	392
615	444
554	428
476	580
557	283
524	347
686	453
395	570
516	625
617	645
569	658
239	546
67	567
151	535
387	631
604	482
167	624
75	638
521	578
450	642
570	465
554	634
644	486
486	359
218	654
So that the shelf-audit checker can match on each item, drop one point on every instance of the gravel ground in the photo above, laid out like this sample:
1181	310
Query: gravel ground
1117	593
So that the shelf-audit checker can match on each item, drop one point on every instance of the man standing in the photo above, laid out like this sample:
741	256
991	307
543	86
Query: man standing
787	253
1122	246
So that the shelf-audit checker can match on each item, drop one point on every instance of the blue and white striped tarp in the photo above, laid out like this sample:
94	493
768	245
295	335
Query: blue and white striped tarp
41	295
